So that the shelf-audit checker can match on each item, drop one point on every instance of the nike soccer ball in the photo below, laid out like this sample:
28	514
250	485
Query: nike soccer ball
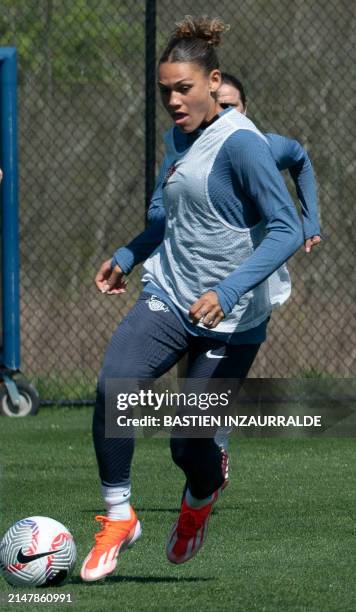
37	551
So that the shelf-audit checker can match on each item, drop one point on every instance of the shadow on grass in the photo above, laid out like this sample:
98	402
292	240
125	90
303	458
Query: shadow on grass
158	510
217	508
139	580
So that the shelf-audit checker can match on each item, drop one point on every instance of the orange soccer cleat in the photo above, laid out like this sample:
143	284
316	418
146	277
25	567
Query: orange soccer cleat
115	536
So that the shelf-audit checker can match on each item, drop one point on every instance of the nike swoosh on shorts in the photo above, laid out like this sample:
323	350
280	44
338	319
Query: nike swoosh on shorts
211	355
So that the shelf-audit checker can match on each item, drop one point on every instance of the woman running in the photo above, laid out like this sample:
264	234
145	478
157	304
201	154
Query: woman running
214	269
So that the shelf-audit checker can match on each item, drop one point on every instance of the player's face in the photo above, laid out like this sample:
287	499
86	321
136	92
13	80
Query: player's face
187	93
228	94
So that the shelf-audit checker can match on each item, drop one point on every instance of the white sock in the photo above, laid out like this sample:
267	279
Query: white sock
194	502
117	501
222	437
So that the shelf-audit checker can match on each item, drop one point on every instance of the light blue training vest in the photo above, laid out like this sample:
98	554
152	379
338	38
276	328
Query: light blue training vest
200	248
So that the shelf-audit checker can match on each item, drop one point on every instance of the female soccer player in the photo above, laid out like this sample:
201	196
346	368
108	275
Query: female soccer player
213	271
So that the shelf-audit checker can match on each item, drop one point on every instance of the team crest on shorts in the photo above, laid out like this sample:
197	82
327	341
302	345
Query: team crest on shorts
155	304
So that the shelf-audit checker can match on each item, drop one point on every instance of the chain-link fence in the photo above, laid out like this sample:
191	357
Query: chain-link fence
82	168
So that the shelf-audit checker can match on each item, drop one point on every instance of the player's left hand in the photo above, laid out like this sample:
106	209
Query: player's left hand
207	310
310	242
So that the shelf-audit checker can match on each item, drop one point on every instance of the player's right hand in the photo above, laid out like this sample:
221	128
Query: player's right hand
310	242
110	280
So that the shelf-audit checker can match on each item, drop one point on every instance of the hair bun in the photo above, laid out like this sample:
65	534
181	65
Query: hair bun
205	28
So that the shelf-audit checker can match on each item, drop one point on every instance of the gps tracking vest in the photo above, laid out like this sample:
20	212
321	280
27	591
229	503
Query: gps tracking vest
200	249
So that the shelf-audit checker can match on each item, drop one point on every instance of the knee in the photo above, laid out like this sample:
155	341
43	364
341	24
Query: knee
111	371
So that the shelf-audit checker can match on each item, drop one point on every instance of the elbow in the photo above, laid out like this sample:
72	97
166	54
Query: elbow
151	217
154	215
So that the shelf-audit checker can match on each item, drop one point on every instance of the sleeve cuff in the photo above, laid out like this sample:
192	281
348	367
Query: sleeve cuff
124	258
225	303
310	230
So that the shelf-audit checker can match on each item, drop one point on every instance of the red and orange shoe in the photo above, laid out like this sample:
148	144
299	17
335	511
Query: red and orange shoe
115	536
189	531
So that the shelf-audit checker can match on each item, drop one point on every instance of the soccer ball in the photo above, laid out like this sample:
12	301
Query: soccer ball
37	551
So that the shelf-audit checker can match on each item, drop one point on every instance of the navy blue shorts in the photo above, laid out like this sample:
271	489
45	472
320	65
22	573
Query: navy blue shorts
151	339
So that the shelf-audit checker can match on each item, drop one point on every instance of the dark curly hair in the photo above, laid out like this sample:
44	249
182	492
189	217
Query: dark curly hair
194	40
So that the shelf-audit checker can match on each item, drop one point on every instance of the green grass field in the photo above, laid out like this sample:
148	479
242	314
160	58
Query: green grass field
282	537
